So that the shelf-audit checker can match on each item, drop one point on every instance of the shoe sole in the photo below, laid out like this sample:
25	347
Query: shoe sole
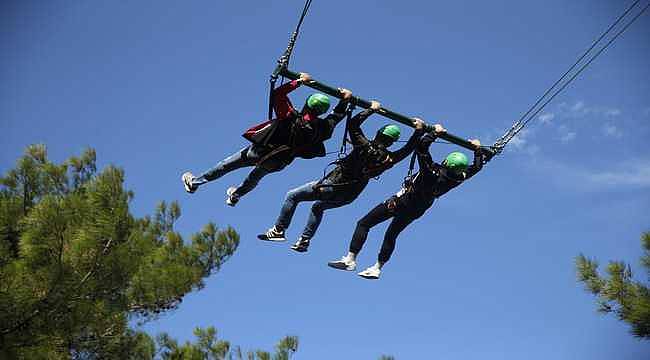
340	266
369	277
299	249
263	237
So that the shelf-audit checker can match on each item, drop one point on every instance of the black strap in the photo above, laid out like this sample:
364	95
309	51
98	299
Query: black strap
412	164
343	150
408	179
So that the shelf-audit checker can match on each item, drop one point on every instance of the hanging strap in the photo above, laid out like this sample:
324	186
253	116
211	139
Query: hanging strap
412	164
408	179
343	150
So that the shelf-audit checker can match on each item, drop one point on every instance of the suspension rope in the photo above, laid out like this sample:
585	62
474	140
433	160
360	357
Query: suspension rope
283	61
525	119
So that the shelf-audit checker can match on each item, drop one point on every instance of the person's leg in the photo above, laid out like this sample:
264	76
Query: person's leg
399	223
305	192
375	216
314	220
405	214
396	226
316	215
378	214
271	165
250	182
235	161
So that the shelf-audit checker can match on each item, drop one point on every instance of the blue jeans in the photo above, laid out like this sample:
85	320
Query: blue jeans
246	157
325	198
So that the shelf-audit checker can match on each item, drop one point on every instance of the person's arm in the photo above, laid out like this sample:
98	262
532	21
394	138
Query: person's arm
425	161
479	160
405	150
338	113
281	103
354	127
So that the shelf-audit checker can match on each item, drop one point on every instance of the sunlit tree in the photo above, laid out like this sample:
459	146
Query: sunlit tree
617	292
76	265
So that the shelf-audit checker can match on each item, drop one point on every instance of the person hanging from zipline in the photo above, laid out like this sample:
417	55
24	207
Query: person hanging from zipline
277	142
416	196
368	159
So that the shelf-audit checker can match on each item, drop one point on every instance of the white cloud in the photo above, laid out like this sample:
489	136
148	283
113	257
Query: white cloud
533	149
546	118
520	140
612	112
566	135
581	109
578	106
638	175
634	173
612	131
569	136
521	144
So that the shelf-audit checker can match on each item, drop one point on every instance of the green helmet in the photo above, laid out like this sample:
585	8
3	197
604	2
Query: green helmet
392	131
456	162
319	103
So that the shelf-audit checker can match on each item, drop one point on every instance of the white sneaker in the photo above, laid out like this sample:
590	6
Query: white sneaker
345	263
372	273
273	234
232	198
187	182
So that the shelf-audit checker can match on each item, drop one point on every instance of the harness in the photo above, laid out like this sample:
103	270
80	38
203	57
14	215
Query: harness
374	161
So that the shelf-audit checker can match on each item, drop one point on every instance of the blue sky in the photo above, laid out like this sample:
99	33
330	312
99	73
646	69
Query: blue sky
161	87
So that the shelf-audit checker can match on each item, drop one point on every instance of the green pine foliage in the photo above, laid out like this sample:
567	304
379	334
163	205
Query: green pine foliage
76	266
208	347
618	293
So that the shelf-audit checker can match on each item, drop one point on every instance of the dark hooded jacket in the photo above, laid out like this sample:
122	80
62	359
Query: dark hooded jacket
293	134
367	159
433	179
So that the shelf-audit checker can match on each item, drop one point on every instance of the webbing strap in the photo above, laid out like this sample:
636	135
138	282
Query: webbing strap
343	150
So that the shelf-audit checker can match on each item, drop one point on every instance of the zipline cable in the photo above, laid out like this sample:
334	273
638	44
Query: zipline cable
587	64
522	122
593	45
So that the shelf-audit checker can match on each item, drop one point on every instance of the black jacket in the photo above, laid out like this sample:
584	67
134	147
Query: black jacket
367	159
433	179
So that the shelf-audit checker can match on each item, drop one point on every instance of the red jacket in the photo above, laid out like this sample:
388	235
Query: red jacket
304	136
284	110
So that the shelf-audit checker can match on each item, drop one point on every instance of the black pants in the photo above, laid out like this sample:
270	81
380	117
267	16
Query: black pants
402	217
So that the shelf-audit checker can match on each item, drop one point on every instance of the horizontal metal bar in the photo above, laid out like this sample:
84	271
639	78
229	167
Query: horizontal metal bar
406	120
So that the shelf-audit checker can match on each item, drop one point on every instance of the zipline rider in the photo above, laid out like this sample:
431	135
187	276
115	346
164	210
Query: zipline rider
276	143
416	196
368	159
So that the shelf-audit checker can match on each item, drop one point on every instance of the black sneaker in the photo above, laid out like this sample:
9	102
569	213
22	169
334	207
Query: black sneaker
302	245
187	182
273	234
